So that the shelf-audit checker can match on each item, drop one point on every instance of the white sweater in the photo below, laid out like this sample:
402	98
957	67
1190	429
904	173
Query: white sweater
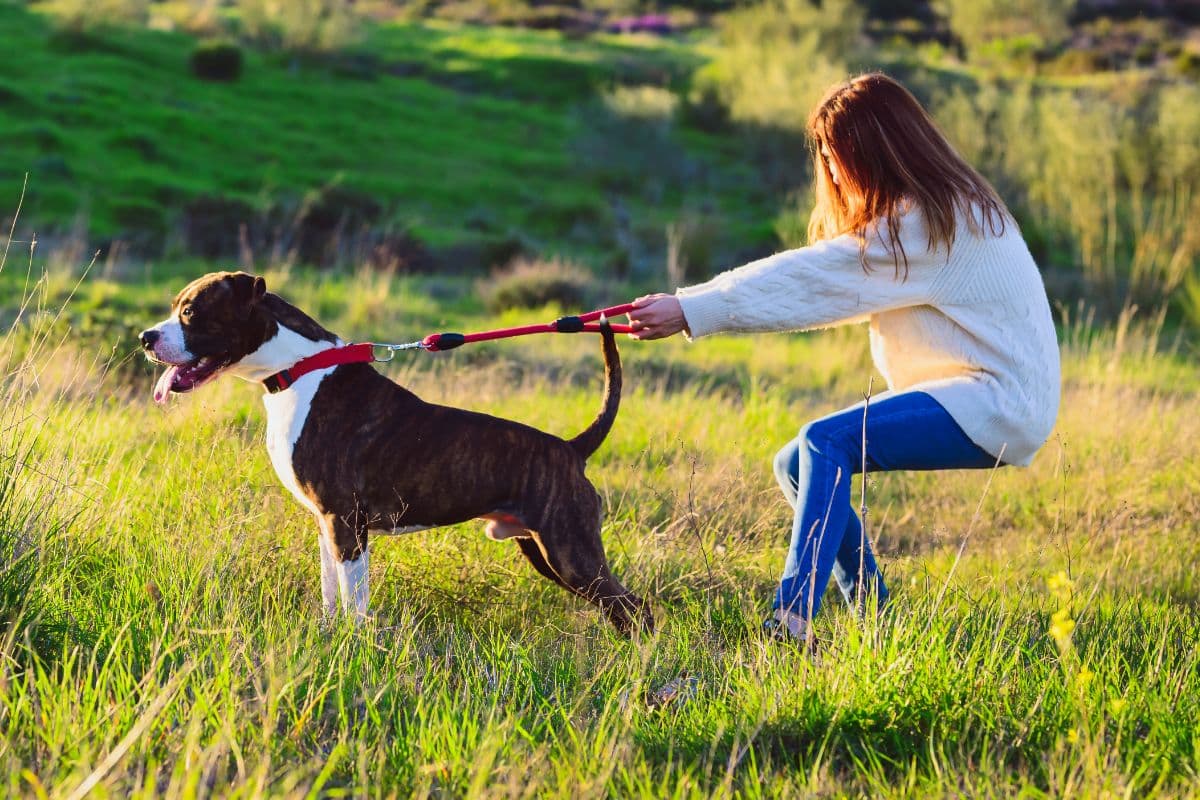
973	330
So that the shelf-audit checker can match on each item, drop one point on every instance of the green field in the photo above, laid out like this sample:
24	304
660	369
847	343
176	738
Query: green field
159	590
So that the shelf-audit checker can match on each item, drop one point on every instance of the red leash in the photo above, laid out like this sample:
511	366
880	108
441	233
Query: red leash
364	352
583	323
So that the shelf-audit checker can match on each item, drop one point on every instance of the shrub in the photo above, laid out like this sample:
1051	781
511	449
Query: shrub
1020	51
778	58
81	16
1189	299
691	242
1187	64
652	103
977	22
217	61
1076	61
628	143
1105	186
300	26
528	283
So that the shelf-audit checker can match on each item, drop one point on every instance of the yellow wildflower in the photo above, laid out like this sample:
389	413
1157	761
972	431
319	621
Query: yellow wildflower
1073	736
1117	705
1084	678
1061	627
1060	584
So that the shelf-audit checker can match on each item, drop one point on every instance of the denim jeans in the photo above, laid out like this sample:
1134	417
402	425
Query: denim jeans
904	431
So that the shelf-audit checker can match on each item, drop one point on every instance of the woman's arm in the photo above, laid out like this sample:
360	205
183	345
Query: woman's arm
818	286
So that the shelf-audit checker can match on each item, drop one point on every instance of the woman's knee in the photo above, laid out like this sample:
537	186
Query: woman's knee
786	467
829	440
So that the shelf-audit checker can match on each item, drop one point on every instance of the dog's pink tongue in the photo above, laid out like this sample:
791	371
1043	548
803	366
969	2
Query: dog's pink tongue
162	389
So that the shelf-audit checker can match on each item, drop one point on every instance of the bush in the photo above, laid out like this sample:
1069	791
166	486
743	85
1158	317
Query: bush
81	16
1076	61
527	283
777	59
691	243
217	61
300	26
628	143
977	22
1021	51
1187	64
1107	187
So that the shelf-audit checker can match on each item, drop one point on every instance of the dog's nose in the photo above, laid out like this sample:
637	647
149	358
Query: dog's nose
148	338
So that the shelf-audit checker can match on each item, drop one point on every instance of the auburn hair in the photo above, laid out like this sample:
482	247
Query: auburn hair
889	153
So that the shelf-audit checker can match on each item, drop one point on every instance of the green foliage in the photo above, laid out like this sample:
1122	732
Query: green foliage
300	26
691	242
1187	64
978	22
1117	200
533	283
217	61
777	58
791	224
80	16
1189	299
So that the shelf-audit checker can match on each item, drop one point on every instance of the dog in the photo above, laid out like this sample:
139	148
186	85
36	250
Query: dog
364	455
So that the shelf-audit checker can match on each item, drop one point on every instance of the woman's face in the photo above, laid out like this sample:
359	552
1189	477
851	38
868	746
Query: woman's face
830	163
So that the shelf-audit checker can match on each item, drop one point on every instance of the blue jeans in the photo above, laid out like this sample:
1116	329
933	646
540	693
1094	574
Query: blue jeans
904	431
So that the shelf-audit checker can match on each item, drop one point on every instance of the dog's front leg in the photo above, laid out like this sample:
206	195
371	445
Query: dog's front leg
349	557
329	576
352	580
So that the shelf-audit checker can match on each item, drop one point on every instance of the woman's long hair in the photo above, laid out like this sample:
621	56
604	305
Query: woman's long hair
888	152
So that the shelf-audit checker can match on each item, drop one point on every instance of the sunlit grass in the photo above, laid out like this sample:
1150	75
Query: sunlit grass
162	637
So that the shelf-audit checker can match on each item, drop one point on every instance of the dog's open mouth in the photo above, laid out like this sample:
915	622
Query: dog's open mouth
180	378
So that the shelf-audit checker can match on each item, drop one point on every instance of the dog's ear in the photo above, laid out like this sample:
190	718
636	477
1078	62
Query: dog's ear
247	289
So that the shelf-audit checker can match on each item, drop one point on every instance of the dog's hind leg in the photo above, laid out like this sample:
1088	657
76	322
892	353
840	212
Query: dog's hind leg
533	553
573	550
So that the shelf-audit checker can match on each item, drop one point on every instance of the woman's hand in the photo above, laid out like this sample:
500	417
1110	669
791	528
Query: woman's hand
656	316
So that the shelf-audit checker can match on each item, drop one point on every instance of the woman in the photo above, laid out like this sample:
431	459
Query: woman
907	236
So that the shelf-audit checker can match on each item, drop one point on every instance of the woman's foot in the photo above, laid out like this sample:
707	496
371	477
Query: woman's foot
787	626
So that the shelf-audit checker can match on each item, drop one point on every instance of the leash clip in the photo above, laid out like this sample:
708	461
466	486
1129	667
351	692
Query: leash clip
392	348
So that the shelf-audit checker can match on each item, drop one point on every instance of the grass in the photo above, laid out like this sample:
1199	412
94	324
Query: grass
160	589
469	133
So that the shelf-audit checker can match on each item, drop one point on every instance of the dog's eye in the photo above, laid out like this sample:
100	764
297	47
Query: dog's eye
186	313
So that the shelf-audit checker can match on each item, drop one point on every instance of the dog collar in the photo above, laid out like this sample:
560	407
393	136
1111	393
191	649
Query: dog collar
350	354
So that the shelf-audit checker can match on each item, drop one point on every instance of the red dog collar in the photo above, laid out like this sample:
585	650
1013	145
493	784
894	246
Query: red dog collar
350	354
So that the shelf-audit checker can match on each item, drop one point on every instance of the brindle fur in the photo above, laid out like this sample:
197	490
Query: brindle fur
372	455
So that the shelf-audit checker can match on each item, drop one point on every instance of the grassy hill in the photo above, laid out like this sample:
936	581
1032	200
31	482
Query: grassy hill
457	134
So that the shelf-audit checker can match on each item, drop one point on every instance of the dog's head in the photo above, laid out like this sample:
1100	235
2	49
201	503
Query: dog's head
222	321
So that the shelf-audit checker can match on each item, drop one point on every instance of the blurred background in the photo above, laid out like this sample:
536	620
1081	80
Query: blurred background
543	146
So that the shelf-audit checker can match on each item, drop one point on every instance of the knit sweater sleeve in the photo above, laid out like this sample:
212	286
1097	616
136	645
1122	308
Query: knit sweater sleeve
818	286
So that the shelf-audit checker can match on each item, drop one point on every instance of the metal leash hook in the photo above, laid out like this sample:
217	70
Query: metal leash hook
392	348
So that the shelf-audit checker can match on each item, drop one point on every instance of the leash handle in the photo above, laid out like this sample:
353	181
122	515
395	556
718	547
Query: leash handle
583	323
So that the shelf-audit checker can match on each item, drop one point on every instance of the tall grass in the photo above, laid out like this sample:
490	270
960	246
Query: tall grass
176	585
1099	183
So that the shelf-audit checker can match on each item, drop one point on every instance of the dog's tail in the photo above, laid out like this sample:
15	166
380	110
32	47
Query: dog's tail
590	440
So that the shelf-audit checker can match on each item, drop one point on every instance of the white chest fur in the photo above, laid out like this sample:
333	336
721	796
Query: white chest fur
286	414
